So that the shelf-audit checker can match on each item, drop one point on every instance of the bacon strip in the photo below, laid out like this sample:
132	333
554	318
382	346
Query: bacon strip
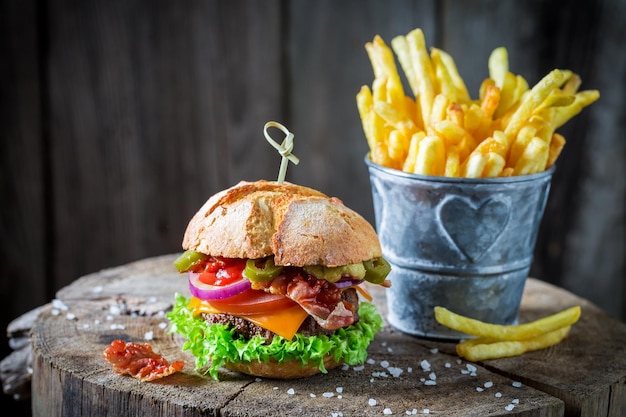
139	361
319	298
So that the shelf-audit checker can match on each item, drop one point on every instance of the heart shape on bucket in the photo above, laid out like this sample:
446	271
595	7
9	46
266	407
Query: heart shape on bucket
472	228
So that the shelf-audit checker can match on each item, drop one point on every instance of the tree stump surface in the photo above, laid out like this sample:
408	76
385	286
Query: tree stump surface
585	375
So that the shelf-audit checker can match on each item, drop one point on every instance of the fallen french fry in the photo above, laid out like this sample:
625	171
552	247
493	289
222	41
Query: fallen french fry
501	332
476	350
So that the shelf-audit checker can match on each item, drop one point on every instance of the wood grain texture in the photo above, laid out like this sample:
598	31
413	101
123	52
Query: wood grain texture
581	376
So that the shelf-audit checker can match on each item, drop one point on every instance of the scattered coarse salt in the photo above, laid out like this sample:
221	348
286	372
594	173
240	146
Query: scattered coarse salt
337	414
162	325
498	394
291	391
430	382
339	389
409	369
434	350
383	344
312	395
479	389
465	371
358	368
109	317
58	304
257	380
426	411
148	335
345	367
517	384
275	388
70	316
387	411
384	364
459	361
425	365
115	326
515	401
328	394
447	365
432	376
86	326
372	402
488	384
55	312
389	349
97	289
395	372
470	367
115	310
509	407
371	361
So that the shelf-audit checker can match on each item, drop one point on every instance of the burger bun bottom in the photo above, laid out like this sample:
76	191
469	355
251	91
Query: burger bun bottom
292	369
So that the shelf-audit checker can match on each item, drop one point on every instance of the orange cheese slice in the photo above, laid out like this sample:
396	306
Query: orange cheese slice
283	322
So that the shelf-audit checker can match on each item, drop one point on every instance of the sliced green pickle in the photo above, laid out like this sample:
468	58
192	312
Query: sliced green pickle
376	270
267	271
188	259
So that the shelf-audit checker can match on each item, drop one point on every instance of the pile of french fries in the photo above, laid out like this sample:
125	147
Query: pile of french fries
441	130
492	341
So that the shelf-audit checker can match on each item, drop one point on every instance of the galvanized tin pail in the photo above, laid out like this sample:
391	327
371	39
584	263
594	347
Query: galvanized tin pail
464	244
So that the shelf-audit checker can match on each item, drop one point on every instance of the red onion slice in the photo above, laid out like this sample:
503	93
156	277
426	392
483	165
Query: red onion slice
210	292
346	282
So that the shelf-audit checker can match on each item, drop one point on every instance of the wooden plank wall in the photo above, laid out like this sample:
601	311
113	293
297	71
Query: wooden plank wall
119	118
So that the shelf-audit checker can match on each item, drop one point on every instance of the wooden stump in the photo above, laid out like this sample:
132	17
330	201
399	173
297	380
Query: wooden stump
585	375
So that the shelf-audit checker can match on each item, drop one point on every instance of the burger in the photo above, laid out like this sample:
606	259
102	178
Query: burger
276	274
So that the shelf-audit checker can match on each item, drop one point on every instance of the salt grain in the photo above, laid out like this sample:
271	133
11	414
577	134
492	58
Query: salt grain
339	389
447	365
384	364
312	395
148	335
515	401
426	411
55	312
371	361
434	350
488	384
162	325
97	289
509	407
359	368
372	402
498	394
470	367
291	391
395	372
425	365
517	384
328	395
432	376
387	411
430	382
479	389
70	316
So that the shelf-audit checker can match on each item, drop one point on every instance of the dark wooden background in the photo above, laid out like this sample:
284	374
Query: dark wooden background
119	118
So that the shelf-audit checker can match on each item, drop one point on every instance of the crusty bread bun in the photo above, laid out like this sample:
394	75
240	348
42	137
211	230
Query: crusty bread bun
298	225
292	369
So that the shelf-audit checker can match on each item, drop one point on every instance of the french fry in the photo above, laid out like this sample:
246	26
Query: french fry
461	90
423	72
455	114
453	162
530	102
474	166
500	332
494	165
480	349
409	162
533	159
556	146
430	159
498	65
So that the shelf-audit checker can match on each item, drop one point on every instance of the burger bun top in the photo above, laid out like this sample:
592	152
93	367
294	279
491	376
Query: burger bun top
298	225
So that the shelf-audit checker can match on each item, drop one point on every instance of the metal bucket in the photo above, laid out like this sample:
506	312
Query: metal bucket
464	244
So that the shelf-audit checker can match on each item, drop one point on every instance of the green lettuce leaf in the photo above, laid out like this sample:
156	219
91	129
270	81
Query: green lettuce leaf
215	345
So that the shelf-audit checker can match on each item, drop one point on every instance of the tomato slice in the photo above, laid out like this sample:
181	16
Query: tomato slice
222	271
252	302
